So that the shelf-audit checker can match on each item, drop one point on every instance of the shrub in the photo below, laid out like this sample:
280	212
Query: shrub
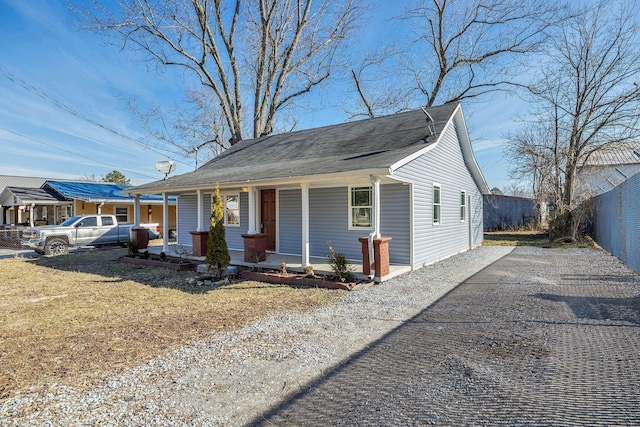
217	251
132	247
340	265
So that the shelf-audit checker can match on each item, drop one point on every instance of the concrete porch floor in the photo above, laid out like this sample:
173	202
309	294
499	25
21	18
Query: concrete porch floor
274	260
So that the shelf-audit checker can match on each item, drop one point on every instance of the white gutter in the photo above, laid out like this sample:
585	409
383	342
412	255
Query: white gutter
271	182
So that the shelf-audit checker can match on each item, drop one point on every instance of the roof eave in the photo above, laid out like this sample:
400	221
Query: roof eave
266	181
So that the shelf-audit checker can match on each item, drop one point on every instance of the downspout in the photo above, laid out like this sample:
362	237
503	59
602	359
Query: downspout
99	210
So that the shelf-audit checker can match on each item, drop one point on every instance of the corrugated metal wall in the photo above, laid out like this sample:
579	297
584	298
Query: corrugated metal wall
616	221
507	212
445	165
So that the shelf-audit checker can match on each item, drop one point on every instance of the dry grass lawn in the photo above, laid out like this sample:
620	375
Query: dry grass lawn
79	318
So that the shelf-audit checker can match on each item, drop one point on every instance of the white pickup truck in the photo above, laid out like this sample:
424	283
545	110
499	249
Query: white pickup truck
81	230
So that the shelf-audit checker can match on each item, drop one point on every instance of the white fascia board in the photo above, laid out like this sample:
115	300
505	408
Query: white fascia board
273	182
469	157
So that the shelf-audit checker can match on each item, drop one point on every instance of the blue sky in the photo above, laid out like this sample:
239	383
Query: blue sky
40	49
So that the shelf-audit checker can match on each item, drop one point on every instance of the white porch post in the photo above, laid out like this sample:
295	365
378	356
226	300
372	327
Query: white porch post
165	222
252	211
305	224
376	206
200	202
136	210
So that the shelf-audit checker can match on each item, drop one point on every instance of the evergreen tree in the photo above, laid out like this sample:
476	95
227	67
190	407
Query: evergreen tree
117	178
217	250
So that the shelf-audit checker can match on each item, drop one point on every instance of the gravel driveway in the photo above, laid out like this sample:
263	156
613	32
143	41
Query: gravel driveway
542	337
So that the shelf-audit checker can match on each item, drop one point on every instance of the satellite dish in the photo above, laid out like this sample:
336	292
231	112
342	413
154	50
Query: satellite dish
166	167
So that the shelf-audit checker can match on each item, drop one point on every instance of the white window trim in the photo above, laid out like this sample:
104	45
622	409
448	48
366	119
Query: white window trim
115	212
434	204
351	226
224	204
463	213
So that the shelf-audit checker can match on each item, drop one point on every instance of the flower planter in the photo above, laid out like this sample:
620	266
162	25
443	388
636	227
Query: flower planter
294	280
171	263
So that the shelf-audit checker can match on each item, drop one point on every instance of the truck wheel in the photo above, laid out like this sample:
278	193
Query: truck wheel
56	247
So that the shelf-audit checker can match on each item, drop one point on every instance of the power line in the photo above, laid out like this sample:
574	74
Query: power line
77	154
41	94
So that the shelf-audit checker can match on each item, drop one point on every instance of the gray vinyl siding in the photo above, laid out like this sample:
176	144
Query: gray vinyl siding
290	221
329	222
395	221
188	219
445	165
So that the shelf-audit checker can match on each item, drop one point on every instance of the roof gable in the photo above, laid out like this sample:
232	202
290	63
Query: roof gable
21	196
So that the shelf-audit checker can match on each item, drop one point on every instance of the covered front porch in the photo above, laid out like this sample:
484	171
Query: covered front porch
298	218
273	261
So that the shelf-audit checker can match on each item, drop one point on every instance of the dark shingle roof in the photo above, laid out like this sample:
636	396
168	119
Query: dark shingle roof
36	195
361	145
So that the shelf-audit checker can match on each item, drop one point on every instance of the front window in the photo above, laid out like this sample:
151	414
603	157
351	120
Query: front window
436	204
360	207
232	210
463	206
122	214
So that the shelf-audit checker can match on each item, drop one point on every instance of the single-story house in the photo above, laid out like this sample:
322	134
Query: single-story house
411	177
56	201
8	213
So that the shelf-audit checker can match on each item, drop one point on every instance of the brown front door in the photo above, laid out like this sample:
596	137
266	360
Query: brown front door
268	216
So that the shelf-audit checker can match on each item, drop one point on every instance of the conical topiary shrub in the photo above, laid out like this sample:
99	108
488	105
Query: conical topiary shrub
217	250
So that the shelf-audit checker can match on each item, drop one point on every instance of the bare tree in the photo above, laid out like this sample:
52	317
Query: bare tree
378	83
463	49
586	100
264	52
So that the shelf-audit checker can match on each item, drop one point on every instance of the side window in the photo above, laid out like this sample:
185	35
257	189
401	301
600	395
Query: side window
360	207
91	221
463	206
106	220
232	210
436	204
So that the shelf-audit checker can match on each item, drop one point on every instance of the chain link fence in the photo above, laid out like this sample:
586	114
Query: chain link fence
10	238
616	221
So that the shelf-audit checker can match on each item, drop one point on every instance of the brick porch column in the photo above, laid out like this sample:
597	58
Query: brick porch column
381	258
255	247
199	240
366	263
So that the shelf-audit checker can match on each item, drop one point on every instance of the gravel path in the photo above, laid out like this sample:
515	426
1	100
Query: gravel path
233	377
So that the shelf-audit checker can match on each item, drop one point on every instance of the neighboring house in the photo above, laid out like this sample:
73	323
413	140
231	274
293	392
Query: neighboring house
503	212
55	201
608	168
9	213
307	188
